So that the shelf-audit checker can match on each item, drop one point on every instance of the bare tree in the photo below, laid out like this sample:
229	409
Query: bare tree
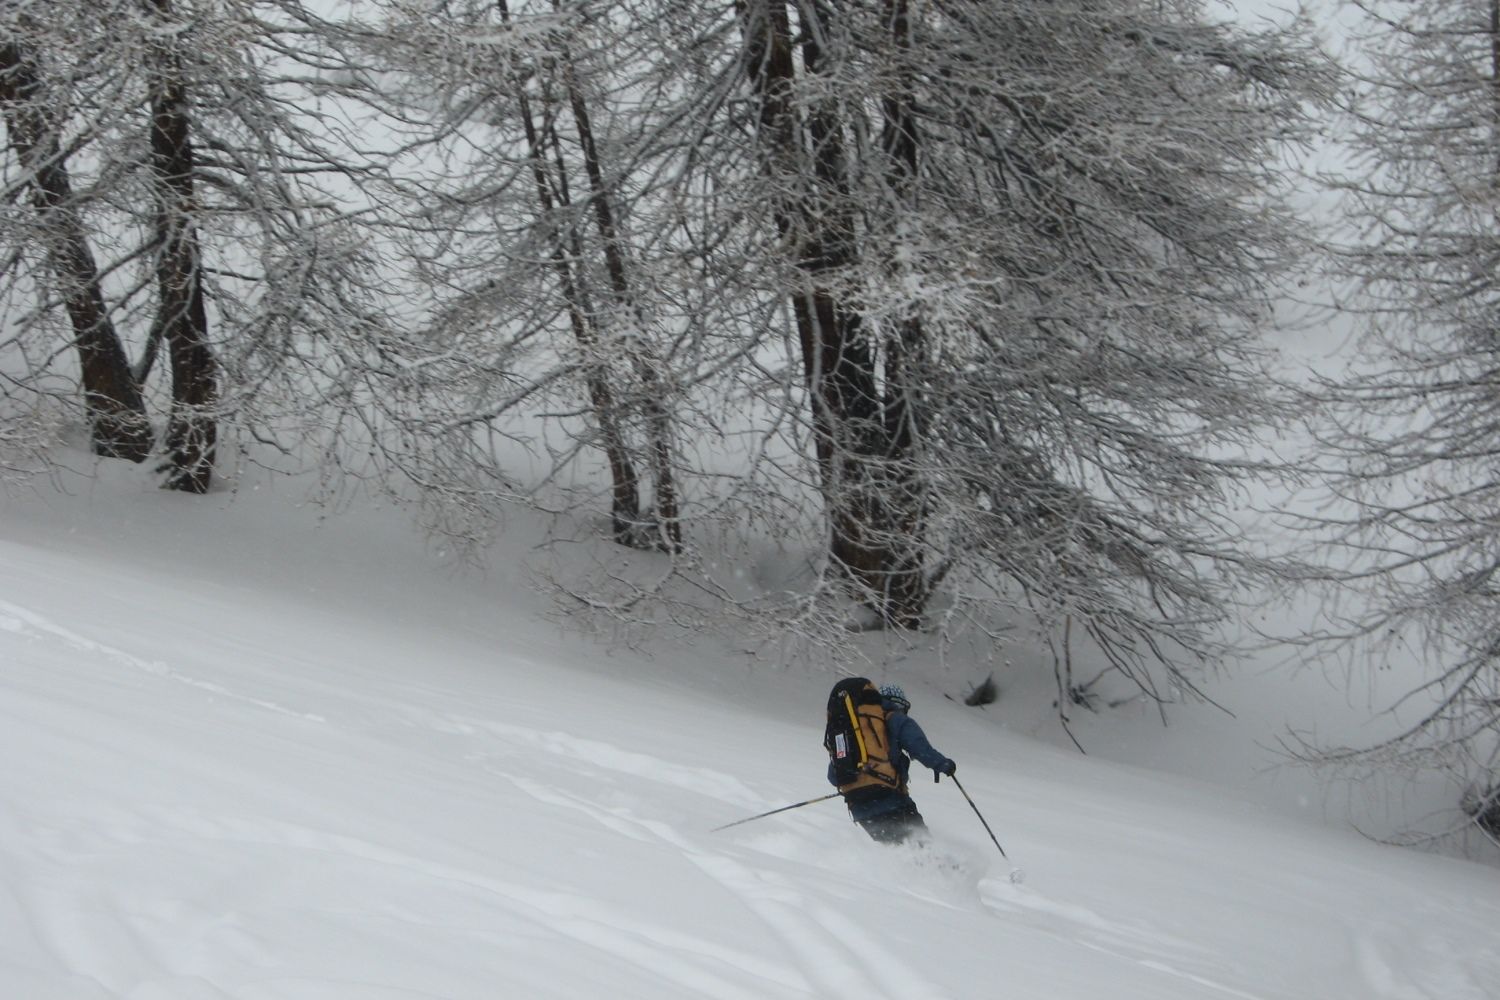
1034	245
34	115
1415	423
527	241
857	435
549	170
630	310
182	317
197	149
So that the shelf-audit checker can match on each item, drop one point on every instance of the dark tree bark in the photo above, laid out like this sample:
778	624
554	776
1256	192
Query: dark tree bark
862	440
907	584
552	194
118	424
658	419
182	319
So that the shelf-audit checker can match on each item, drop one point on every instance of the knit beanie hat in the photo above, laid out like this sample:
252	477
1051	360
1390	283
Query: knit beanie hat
893	694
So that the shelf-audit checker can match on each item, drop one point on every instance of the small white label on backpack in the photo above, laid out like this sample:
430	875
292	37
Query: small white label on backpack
840	745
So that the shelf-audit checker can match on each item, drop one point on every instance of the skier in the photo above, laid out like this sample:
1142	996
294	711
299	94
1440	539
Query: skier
890	814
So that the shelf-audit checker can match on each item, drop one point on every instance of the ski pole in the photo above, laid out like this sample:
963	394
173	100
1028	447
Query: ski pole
954	779
773	812
1016	875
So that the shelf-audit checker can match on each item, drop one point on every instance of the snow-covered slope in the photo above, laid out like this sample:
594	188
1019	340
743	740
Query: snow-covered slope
251	755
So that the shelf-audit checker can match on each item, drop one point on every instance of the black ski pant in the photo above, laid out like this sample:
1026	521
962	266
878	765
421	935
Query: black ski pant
894	826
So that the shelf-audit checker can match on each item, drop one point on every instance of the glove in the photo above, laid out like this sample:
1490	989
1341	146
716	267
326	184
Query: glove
949	767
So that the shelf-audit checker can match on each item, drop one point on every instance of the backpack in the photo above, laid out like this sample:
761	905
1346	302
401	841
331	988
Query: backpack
856	739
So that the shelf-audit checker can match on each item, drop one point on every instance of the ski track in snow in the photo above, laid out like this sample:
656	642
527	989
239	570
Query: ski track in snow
76	922
832	954
79	924
591	755
1080	926
1432	967
14	618
835	957
1004	898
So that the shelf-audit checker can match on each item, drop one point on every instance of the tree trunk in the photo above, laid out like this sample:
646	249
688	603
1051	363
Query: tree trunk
1495	77
658	419
907	588
182	319
870	540
625	508
118	425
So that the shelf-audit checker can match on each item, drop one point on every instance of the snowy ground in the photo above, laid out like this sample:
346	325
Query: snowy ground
251	755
